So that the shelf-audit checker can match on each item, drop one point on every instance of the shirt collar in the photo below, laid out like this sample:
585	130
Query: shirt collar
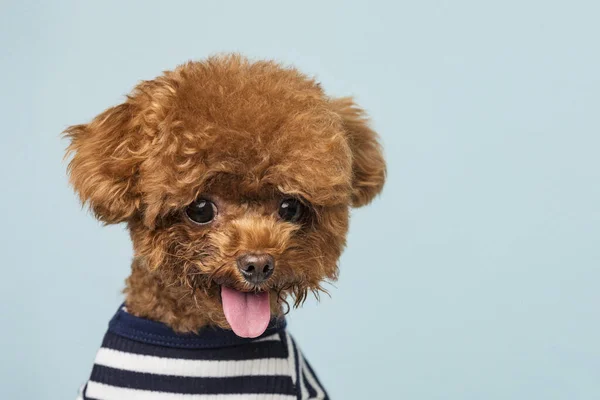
158	333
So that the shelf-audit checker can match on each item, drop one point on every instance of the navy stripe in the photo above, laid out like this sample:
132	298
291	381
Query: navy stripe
276	384
297	367
316	378
268	349
84	394
311	391
157	333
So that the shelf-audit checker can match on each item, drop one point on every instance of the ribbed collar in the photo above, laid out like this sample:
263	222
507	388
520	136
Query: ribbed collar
157	333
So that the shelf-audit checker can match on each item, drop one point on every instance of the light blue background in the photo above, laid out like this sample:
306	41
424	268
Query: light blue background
474	276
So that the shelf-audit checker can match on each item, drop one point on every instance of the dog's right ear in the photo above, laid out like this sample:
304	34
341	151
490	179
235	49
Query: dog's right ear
104	167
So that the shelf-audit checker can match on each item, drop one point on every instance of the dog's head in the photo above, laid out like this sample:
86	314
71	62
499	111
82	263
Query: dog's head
235	179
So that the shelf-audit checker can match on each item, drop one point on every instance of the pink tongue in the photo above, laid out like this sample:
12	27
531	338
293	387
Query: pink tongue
247	313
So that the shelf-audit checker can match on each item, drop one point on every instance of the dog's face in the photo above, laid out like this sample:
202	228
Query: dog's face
235	180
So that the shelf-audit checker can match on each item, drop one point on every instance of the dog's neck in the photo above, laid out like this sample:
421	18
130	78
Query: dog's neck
150	294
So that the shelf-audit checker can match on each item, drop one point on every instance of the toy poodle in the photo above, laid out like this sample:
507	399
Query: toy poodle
235	179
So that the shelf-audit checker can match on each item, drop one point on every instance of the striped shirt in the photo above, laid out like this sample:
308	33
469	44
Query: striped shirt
146	360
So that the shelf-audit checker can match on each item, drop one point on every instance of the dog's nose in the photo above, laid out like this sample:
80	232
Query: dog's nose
256	268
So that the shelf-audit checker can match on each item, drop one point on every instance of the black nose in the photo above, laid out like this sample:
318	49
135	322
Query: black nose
256	268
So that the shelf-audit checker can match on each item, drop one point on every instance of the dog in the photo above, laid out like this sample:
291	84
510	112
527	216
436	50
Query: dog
235	179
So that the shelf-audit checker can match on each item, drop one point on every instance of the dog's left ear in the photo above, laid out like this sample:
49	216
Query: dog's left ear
368	164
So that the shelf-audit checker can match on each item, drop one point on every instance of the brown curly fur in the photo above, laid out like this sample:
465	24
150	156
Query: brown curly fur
244	135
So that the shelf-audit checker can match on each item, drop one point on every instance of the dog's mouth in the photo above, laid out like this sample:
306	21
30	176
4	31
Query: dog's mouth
248	313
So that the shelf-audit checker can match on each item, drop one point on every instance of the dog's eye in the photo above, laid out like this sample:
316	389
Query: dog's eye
291	210
201	211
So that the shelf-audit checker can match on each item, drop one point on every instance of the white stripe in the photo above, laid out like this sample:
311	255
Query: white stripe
80	393
191	368
271	338
291	358
105	392
313	382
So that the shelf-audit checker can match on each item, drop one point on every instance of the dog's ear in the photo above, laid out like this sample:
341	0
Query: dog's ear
103	169
368	164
